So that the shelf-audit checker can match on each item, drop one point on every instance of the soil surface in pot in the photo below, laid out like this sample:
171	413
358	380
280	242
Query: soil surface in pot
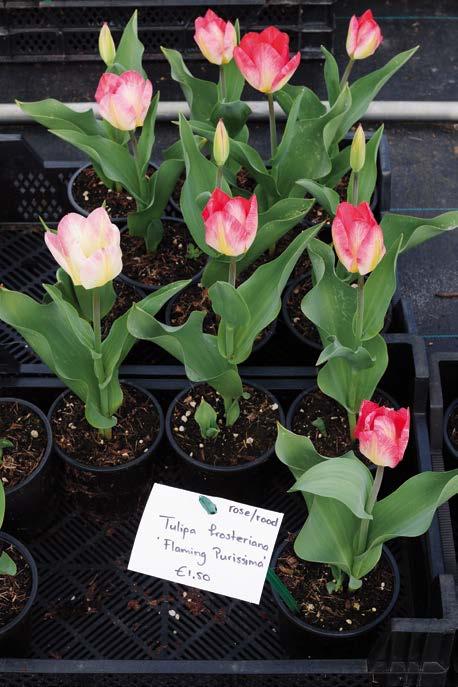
27	433
249	438
176	257
245	181
341	611
90	193
136	429
195	297
316	405
452	427
126	295
317	214
14	590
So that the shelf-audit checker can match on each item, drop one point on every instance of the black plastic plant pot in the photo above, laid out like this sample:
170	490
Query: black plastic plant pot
297	635
450	446
239	482
307	341
32	503
112	490
149	288
15	635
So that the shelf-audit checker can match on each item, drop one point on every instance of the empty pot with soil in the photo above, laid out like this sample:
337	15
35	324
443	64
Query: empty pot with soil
108	476
451	429
234	462
28	467
17	595
176	258
349	619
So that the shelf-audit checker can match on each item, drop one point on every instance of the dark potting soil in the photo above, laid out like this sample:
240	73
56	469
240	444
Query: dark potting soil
316	405
14	589
297	318
249	438
136	429
195	297
452	427
317	214
126	295
245	181
176	257
340	611
20	425
90	193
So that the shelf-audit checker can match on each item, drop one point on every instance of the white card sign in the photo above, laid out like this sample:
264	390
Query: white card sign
226	552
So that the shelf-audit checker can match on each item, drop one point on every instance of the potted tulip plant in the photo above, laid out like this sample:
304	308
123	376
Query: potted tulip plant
28	469
120	174
221	426
18	585
106	433
344	579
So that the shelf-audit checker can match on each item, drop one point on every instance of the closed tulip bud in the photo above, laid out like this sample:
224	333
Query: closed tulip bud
87	248
357	238
107	48
215	37
230	223
221	144
364	36
263	59
124	100
358	150
383	433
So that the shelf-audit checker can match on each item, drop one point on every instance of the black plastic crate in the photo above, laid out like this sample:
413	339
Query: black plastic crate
82	562
54	31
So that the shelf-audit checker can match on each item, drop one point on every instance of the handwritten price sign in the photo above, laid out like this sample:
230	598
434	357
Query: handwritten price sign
205	542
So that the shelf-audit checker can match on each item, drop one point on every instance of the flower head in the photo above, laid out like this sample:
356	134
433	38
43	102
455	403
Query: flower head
364	36
107	48
357	238
87	248
215	37
230	223
263	59
124	100
383	433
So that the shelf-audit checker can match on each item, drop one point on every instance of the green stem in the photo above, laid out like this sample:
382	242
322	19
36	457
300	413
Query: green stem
371	501
232	272
358	335
219	177
355	188
134	144
347	73
351	422
272	126
222	76
97	324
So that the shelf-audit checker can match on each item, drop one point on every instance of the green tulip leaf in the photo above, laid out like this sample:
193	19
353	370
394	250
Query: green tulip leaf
416	230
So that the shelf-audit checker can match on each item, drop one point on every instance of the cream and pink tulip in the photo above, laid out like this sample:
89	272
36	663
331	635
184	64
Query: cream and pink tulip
364	36
383	433
215	37
87	248
124	100
230	223
263	59
358	239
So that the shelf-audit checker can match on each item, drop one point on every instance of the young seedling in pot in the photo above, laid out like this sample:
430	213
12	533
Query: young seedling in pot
348	525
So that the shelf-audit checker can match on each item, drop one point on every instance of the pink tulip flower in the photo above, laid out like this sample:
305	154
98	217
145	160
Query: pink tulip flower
263	59
383	433
358	239
364	36
215	37
230	223
124	100
87	248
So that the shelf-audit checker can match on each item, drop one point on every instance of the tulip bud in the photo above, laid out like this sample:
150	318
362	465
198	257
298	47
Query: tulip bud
221	144
383	433
107	48
364	36
87	248
215	37
357	238
124	99
358	150
230	223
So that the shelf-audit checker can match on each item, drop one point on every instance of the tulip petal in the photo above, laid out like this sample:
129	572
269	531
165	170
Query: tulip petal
247	67
371	250
279	40
286	73
352	36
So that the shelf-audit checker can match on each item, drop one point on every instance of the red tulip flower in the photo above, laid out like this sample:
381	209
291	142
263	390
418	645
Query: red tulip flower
364	36
263	59
358	239
215	37
230	223
124	100
383	433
